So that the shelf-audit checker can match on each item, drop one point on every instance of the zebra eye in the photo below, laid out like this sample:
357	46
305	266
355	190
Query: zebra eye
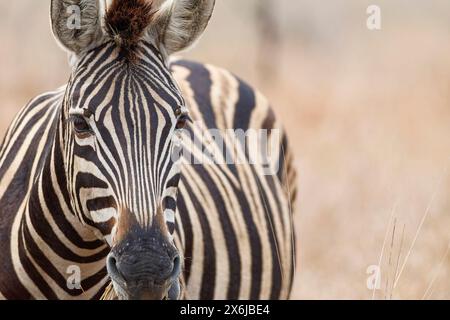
182	120
80	126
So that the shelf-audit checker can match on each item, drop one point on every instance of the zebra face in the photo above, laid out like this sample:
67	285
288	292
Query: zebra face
123	124
123	114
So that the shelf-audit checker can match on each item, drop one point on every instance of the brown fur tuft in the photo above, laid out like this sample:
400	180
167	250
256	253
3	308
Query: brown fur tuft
126	21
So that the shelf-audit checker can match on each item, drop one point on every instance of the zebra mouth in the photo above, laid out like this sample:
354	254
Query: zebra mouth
146	292
144	288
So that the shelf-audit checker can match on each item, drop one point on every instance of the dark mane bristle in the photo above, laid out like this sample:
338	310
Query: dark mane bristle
126	21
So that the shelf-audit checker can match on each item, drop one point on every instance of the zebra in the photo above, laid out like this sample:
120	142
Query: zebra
90	186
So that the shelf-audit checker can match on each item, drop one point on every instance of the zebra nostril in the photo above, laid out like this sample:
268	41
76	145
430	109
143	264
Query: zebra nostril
176	268
113	271
111	263
174	291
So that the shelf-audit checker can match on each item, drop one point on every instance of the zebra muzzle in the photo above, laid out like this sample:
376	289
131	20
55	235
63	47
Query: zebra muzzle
147	269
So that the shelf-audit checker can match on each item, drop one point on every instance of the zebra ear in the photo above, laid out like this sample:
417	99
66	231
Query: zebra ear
75	23
180	23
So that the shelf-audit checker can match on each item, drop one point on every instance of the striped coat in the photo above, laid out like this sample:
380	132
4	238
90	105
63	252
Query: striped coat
91	195
233	223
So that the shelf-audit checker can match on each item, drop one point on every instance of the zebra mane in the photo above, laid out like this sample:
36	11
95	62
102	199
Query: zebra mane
126	21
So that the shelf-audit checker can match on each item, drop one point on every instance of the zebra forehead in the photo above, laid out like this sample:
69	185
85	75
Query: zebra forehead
134	89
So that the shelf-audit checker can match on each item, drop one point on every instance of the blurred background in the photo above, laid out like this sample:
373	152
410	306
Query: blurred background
367	112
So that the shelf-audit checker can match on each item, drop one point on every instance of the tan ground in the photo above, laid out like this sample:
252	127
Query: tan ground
368	113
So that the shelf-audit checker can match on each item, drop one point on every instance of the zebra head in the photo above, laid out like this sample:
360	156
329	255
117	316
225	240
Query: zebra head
122	115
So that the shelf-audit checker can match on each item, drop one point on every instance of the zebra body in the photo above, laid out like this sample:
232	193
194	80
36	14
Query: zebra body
231	223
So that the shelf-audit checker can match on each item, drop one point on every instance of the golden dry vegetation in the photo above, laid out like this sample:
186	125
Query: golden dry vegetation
368	114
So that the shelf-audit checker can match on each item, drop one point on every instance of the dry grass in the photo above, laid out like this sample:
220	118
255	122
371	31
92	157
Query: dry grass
368	114
109	293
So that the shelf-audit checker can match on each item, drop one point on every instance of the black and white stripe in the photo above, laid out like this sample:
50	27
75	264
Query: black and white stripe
67	196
